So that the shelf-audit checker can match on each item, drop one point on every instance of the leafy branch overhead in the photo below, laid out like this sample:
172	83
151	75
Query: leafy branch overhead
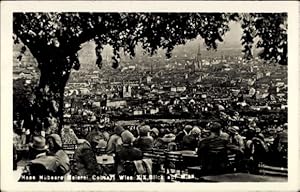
52	35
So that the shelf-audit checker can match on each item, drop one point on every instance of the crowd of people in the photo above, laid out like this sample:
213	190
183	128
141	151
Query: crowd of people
211	143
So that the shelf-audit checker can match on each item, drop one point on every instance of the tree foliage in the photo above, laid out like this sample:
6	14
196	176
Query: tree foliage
63	33
271	31
55	38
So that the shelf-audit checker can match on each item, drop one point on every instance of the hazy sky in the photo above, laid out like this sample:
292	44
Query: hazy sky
231	40
234	35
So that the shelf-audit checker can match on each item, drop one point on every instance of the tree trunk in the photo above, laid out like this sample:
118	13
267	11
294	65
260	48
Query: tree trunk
49	103
61	108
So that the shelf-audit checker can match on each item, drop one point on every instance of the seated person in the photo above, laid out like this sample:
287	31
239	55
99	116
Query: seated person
144	142
101	130
85	162
280	146
166	140
204	133
154	133
190	142
235	139
55	149
41	164
181	134
212	151
115	141
126	153
68	136
224	135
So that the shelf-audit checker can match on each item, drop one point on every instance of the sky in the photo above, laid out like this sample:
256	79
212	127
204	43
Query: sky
234	35
231	41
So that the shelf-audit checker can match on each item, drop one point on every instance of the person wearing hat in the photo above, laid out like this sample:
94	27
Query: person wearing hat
224	135
114	143
127	152
154	133
98	130
212	151
179	137
102	132
235	139
85	158
55	149
169	142
257	151
190	141
204	133
144	142
41	164
34	148
166	140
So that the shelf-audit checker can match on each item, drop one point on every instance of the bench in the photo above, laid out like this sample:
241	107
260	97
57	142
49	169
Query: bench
70	150
272	171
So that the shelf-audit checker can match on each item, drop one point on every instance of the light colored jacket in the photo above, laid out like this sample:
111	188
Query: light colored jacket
114	144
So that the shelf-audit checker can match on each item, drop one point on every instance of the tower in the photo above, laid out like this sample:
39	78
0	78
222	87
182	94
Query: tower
126	91
198	60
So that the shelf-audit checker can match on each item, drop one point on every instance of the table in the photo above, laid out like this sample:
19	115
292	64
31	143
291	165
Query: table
106	162
188	158
105	159
187	153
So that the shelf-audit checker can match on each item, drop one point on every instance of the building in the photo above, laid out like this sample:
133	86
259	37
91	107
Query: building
149	79
116	103
84	91
126	91
138	112
154	111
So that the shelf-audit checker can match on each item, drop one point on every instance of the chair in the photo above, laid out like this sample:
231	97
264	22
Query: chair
100	151
172	146
129	168
69	146
160	155
155	161
143	166
174	161
133	171
195	170
214	162
232	162
158	160
70	150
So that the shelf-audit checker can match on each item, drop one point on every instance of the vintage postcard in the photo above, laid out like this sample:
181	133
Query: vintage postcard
149	96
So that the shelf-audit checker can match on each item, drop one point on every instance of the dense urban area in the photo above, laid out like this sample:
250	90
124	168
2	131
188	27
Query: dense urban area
193	87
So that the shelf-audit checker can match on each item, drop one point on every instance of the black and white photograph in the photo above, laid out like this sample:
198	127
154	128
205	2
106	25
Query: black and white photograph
150	97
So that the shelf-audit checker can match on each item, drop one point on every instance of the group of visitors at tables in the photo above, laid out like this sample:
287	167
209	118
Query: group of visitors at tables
210	145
